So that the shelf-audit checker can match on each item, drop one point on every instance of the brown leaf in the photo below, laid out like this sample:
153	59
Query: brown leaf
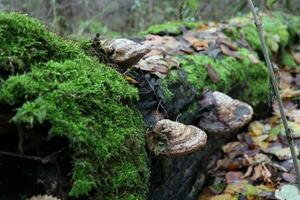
231	146
167	42
212	74
130	80
197	44
186	51
256	128
230	45
281	153
257	172
233	177
226	51
285	80
288	177
297	57
248	172
153	52
266	174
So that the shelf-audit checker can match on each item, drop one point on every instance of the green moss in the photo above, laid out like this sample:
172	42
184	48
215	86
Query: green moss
25	41
169	28
252	78
288	60
50	80
276	31
292	22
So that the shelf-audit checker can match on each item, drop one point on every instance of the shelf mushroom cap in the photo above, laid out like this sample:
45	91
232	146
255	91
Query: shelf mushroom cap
171	139
222	114
125	52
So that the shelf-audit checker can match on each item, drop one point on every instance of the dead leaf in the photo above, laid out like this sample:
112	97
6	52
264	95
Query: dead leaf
288	177
260	141
253	59
226	51
281	153
256	128
154	52
261	172
212	74
285	80
233	177
229	44
297	57
231	146
248	172
197	44
155	64
279	129
130	80
289	93
167	42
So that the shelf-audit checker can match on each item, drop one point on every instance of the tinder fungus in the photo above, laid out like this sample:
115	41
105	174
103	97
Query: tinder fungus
125	52
169	138
222	114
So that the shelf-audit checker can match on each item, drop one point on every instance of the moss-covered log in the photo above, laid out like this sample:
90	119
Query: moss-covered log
50	89
238	69
54	88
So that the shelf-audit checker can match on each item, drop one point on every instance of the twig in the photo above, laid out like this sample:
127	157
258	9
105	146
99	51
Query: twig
161	105
274	84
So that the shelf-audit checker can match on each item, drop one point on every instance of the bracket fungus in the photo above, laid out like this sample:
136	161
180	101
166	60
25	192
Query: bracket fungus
125	53
222	114
169	138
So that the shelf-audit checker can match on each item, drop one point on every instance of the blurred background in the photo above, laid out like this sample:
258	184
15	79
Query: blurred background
126	17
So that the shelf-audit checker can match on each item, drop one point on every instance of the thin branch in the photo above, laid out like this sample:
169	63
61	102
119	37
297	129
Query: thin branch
274	84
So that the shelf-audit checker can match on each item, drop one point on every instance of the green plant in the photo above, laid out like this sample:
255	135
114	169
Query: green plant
275	89
49	80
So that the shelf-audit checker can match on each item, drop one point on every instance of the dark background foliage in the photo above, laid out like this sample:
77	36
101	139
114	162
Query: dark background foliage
126	17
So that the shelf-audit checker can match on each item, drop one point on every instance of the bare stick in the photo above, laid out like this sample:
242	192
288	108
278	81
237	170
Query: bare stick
276	91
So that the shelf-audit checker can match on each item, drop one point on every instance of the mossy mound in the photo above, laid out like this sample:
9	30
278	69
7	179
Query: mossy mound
239	77
49	80
232	73
170	28
276	31
288	60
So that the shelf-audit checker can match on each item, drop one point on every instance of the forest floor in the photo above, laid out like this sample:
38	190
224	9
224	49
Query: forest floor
258	163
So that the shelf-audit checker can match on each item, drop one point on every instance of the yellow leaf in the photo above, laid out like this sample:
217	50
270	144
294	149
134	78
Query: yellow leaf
256	128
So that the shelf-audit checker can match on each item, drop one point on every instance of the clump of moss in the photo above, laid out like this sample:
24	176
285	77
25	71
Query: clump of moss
25	41
276	31
288	60
253	78
49	80
169	28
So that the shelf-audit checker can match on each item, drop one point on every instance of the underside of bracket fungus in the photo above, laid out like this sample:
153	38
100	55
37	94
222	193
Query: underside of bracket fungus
169	138
125	53
222	114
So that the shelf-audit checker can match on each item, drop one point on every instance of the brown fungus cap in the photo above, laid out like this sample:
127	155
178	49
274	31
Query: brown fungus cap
222	114
169	138
125	52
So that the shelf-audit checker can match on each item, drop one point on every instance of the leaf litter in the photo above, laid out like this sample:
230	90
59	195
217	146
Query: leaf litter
258	165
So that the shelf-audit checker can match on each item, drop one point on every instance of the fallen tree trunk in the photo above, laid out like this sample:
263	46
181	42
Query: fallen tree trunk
176	72
183	178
